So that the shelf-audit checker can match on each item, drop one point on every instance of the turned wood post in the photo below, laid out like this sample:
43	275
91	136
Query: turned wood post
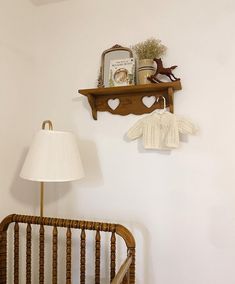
132	267
3	257
16	253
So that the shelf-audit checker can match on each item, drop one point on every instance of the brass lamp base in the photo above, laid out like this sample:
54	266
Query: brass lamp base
50	126
41	198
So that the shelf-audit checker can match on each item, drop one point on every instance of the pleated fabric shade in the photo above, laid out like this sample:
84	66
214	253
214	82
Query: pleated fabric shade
53	157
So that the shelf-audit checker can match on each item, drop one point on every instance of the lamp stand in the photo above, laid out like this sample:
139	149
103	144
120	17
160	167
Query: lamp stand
41	198
52	157
50	126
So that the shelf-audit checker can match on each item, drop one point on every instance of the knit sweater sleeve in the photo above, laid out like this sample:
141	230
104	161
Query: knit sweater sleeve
186	126
136	130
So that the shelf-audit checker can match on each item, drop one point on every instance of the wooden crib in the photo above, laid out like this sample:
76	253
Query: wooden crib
126	273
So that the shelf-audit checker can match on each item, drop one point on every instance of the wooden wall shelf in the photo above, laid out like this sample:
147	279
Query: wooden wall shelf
131	98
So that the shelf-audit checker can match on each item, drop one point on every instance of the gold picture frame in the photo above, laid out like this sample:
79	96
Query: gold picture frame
115	52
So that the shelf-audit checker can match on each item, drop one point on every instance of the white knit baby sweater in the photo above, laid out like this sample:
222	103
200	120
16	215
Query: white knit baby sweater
161	130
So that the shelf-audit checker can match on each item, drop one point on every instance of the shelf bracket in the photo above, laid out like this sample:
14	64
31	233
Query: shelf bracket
91	101
170	92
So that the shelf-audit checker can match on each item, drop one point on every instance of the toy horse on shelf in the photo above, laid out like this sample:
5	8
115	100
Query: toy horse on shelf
162	71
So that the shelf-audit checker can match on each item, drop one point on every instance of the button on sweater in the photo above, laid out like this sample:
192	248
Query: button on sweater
161	130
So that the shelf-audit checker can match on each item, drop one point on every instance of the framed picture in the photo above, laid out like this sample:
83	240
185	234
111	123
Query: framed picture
117	52
121	72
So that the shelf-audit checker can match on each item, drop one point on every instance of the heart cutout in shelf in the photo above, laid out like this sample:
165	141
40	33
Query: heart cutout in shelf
113	103
148	101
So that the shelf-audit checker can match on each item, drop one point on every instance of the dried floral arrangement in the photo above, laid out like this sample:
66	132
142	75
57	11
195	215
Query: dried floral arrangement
149	49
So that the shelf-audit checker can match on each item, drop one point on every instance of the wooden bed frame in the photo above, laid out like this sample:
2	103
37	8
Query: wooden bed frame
126	273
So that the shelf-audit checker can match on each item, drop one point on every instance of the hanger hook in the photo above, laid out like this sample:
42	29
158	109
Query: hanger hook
164	100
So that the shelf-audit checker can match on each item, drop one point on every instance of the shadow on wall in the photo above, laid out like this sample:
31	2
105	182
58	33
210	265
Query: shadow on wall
84	104
93	175
45	2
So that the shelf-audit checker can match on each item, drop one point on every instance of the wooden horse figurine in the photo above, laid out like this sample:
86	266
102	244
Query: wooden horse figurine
163	71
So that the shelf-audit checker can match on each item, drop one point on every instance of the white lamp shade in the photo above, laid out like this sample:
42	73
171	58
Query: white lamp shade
53	157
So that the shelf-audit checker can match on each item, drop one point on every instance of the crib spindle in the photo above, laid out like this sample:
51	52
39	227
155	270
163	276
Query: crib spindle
132	267
16	253
54	255
3	258
83	257
97	257
113	256
28	254
68	256
41	254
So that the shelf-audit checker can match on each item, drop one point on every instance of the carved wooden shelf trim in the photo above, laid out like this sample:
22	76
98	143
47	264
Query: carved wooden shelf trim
131	98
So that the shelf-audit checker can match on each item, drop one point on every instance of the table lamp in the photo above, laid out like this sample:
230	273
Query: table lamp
52	157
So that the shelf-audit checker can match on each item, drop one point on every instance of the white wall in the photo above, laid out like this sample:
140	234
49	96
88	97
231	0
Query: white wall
17	67
179	205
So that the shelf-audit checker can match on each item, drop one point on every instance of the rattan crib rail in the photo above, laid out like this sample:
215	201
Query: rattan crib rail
126	274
